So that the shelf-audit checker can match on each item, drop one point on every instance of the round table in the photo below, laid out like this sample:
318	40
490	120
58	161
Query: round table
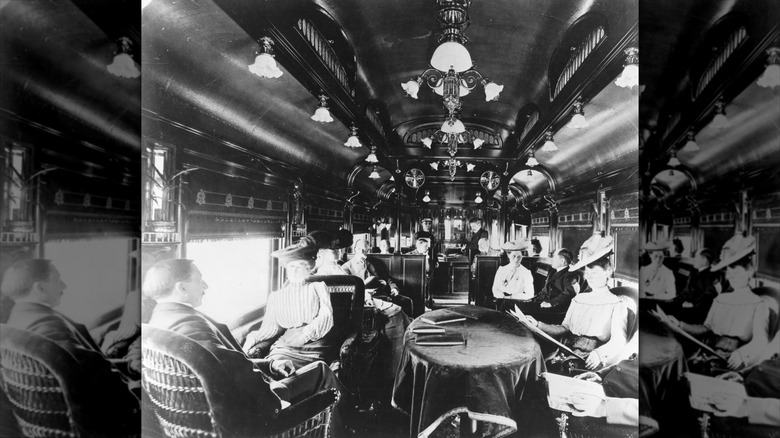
484	378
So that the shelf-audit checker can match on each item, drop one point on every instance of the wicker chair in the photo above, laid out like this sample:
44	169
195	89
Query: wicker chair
192	395
43	383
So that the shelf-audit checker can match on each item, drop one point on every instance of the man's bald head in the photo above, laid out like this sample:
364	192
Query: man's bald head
163	276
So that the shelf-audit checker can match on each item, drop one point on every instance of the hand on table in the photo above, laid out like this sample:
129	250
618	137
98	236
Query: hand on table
283	367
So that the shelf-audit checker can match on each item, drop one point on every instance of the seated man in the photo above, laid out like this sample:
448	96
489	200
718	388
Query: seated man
327	263
656	281
125	340
693	304
561	285
513	283
384	247
36	289
422	242
178	287
375	278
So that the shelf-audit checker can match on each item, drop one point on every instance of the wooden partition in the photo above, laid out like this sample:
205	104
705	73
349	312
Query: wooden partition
408	272
483	282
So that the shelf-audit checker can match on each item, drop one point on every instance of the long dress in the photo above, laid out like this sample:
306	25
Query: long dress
305	308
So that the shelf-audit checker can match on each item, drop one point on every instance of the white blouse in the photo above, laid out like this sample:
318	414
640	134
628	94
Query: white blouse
294	306
603	315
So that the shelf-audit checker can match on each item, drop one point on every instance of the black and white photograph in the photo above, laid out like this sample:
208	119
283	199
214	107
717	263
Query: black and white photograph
409	218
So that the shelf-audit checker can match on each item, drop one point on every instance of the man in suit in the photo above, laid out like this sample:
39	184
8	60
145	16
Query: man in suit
422	243
178	287
107	406
561	285
693	304
375	277
477	232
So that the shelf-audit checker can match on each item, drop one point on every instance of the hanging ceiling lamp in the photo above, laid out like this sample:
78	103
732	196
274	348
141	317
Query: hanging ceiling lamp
478	142
427	197
690	145
470	167
720	121
549	144
531	160
673	161
353	141
771	76
435	165
451	74
371	158
322	114
630	76
578	121
265	65
123	64
374	174
478	199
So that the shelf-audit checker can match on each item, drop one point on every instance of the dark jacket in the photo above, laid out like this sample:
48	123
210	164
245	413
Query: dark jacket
105	402
700	290
253	391
559	288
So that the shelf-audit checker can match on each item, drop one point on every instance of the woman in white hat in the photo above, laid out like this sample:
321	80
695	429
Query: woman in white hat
656	281
737	324
513	283
596	324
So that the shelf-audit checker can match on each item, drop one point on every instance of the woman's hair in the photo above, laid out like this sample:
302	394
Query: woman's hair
566	254
537	246
746	262
602	262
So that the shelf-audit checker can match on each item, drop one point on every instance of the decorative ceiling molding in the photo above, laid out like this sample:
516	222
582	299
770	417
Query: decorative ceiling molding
719	57
578	56
491	139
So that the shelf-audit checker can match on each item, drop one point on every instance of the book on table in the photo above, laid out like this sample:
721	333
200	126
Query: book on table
428	329
436	339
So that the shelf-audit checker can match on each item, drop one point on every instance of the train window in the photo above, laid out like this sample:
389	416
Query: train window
15	193
238	273
95	272
545	242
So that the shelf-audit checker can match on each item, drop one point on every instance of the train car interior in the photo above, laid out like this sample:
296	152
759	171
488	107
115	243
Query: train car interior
70	172
709	144
425	218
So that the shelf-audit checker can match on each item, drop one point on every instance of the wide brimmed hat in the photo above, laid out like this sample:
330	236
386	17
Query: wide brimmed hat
423	235
656	245
319	238
426	219
517	245
341	239
734	250
305	249
596	247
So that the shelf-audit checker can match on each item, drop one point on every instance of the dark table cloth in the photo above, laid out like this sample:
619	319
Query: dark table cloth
484	378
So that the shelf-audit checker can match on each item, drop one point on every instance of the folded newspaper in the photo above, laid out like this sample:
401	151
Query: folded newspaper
440	339
664	318
561	391
710	394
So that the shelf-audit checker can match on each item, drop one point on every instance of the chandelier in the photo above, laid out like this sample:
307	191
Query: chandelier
451	74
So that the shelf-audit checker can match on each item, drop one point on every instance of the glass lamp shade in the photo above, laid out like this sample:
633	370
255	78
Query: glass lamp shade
720	121
411	88
470	167
353	142
322	115
690	146
478	199
427	197
771	76
427	142
630	76
371	158
265	66
478	142
374	174
492	90
673	162
549	146
453	126
531	161
451	54
435	165
578	121
123	66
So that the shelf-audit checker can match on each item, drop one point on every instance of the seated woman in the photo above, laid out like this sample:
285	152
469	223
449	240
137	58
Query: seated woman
300	312
513	283
596	323
737	325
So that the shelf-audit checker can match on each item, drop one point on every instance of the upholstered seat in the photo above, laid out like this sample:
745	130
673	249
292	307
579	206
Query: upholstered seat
45	386
191	393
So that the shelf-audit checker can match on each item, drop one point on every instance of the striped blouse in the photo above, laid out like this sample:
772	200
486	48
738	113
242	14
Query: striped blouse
294	306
